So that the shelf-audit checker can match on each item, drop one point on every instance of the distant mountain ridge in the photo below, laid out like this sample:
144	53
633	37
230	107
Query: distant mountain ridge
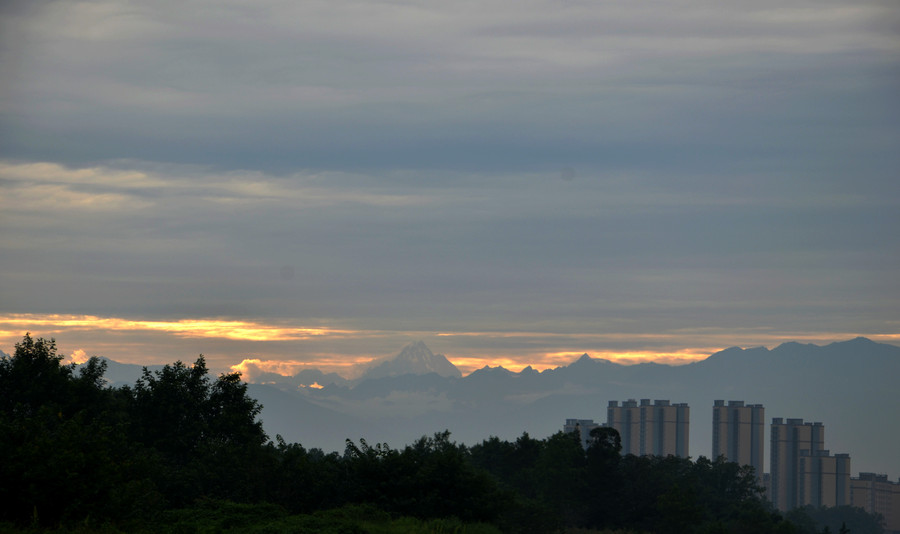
850	386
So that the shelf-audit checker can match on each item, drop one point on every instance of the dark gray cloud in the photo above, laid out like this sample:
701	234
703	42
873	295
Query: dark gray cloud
559	166
402	85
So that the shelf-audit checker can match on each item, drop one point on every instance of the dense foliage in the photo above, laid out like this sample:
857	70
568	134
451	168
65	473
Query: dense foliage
181	451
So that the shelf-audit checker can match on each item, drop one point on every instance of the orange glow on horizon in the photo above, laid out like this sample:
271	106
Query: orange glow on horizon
135	341
208	328
253	367
552	360
679	357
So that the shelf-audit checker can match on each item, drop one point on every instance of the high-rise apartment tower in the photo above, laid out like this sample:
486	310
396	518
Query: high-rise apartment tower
803	472
659	429
738	433
788	438
823	479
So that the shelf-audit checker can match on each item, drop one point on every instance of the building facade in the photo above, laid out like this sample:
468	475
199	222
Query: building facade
659	429
583	427
823	479
738	433
877	495
787	439
802	471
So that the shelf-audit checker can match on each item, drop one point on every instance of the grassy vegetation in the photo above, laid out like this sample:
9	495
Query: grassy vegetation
220	517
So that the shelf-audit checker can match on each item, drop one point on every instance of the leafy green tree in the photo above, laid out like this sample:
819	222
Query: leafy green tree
66	456
730	492
513	466
495	456
837	518
446	482
34	378
431	478
802	520
207	432
605	442
525	456
680	510
375	475
304	480
560	475
604	477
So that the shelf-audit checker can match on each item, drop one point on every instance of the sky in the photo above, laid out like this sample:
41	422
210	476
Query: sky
318	183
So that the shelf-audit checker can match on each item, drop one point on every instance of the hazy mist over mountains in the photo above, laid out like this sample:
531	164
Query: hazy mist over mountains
850	386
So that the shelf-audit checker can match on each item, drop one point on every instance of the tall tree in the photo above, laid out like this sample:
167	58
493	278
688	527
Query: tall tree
64	452
207	432
602	469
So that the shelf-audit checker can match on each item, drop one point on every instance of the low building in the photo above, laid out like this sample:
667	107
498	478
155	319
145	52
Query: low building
877	495
583	427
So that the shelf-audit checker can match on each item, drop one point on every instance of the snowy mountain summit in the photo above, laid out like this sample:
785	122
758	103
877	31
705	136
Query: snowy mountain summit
415	359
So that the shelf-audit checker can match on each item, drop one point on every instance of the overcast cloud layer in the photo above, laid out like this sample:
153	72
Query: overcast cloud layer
531	177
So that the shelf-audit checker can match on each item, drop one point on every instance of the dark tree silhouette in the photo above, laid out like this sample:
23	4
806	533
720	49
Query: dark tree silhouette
64	451
206	431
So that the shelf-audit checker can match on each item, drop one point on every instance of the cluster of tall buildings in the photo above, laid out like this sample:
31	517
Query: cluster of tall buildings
659	428
801	470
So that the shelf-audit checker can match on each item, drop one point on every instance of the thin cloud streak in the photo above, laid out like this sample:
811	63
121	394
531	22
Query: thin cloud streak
214	328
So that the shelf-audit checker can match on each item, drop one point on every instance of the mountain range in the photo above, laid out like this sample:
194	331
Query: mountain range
849	386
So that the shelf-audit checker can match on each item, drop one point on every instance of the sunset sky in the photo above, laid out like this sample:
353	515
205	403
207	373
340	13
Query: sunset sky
318	183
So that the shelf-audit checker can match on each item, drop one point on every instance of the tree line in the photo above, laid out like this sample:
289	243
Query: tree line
180	448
